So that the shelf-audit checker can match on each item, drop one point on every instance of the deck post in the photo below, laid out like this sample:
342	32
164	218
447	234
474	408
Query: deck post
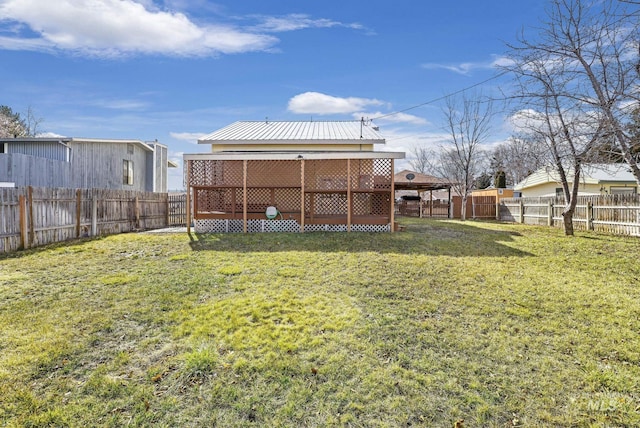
302	196
244	196
392	197
349	204
188	200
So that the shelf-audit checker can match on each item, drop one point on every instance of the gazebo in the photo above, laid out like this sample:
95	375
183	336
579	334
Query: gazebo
292	176
406	180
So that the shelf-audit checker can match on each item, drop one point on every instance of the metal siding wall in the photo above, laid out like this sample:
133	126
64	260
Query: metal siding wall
150	156
47	150
25	170
92	165
161	168
99	165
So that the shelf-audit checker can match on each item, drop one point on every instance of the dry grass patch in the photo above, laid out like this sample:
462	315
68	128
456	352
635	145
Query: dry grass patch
496	325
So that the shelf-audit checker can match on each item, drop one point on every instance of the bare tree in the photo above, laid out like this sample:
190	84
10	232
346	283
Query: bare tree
597	43
550	113
518	157
12	125
421	161
32	122
461	161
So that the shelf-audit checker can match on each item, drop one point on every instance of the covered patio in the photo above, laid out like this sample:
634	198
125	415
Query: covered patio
301	192
411	182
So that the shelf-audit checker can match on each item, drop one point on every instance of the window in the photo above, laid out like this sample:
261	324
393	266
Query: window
624	190
559	192
127	172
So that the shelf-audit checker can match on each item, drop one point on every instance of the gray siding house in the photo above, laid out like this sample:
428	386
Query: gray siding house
84	163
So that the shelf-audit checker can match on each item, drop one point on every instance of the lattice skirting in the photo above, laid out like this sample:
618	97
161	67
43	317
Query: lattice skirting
259	226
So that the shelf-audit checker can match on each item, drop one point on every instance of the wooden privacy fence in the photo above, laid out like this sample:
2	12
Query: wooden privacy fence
33	216
613	214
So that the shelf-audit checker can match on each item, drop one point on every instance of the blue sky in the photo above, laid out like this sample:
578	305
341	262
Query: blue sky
173	70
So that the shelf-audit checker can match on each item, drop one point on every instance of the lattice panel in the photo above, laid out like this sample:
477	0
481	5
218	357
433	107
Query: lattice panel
258	226
326	204
287	200
362	174
361	204
382	174
381	204
255	226
325	228
376	204
258	199
232	173
371	227
215	173
204	172
212	200
326	174
273	173
218	226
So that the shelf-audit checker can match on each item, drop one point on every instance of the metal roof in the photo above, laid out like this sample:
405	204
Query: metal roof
269	132
591	174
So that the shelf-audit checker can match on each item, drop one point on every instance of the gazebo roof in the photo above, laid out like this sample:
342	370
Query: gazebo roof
411	180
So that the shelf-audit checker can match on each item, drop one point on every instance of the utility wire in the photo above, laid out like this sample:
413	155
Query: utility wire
444	96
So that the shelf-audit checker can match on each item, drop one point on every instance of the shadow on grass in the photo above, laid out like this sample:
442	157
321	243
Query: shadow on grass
432	237
421	236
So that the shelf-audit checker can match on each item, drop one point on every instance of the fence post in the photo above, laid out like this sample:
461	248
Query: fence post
94	214
137	212
32	228
589	215
78	211
497	209
549	213
24	238
521	211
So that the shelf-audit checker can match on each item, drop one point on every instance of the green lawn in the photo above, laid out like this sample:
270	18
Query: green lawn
497	325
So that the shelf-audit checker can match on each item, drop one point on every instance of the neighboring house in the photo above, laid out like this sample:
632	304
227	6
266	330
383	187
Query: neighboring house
84	163
595	179
292	176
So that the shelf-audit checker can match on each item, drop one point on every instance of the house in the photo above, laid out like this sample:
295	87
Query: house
292	176
84	163
595	179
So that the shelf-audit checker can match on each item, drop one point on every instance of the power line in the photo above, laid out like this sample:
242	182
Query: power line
443	97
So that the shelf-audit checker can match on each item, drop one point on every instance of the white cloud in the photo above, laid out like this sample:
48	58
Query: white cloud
50	135
117	27
190	137
122	104
393	118
294	22
467	67
318	103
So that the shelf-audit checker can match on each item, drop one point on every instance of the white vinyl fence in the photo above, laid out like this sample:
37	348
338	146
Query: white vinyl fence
612	214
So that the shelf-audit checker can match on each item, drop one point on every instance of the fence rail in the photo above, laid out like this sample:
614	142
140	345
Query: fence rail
34	216
612	214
